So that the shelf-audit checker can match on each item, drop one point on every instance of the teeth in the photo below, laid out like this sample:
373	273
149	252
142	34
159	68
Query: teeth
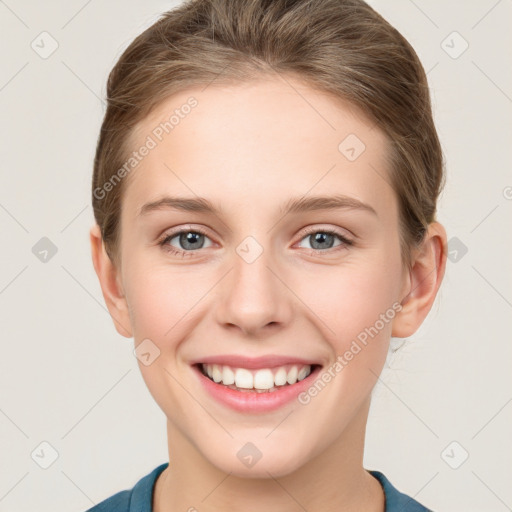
262	380
291	377
280	377
303	373
243	378
217	373
228	376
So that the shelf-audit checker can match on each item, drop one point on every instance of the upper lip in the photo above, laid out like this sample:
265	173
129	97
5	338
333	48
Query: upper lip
268	361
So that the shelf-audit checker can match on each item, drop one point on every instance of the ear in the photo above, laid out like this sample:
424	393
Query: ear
422	282
110	283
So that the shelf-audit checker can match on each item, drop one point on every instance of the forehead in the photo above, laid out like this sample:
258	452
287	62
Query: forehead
257	143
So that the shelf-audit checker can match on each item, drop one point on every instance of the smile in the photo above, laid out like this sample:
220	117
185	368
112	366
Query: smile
255	390
261	380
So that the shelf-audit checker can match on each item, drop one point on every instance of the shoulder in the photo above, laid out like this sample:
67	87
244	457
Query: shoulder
137	499
119	502
395	500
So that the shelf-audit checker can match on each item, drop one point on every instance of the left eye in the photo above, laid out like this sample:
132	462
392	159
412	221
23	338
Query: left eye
324	239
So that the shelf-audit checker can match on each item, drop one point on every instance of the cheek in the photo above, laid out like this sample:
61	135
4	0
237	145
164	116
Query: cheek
153	306
163	301
355	302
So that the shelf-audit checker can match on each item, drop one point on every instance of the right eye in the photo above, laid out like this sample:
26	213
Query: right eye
189	239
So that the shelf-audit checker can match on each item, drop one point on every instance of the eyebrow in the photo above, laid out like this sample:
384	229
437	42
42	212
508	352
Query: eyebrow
294	205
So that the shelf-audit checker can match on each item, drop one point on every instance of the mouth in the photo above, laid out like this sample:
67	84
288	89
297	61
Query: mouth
255	385
261	380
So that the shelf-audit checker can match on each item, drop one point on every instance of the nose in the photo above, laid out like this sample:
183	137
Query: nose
254	297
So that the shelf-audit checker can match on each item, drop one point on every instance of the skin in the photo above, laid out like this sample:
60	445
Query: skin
250	148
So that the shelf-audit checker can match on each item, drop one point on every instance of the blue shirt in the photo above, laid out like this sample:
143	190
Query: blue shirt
139	498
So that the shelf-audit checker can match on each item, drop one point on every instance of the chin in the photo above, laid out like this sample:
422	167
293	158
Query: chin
249	461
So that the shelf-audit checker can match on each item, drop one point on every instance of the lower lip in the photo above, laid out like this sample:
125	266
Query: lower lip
252	401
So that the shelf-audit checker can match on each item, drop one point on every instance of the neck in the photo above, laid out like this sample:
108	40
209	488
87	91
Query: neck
332	480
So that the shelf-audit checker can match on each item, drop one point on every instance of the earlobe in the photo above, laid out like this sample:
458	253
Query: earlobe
110	283
425	277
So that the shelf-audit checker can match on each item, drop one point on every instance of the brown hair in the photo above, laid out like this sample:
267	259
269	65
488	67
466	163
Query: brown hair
342	47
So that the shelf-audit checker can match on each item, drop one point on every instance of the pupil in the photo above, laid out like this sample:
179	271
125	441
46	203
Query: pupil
321	238
189	239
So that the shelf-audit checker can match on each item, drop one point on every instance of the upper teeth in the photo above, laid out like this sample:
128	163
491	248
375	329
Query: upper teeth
264	378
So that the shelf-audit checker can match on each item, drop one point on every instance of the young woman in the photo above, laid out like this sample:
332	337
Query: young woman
265	190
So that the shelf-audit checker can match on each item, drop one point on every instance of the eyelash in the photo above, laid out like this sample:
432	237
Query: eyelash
172	250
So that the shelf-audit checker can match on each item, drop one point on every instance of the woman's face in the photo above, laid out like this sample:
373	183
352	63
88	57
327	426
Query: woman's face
256	278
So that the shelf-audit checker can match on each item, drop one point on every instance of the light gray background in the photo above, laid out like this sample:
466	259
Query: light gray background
67	378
